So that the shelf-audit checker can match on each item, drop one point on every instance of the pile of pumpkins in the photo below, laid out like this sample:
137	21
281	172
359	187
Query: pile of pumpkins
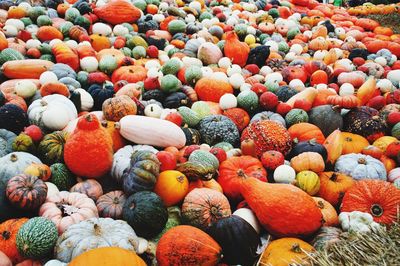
152	132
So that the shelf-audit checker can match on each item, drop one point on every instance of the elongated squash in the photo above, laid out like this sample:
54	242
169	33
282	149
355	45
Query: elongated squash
308	94
151	131
26	69
9	85
334	146
366	91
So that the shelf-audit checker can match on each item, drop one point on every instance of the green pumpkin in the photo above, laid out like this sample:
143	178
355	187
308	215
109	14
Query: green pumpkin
139	52
170	83
190	117
142	172
224	145
82	78
136	41
205	15
193	74
44	20
396	131
45	48
108	64
65	27
27	21
51	148
204	157
176	26
24	143
172	66
327	118
217	128
174	219
36	238
141	4
48	57
201	108
126	51
71	14
284	93
146	213
248	100
283	47
35	12
62	177
173	51
292	33
10	54
241	30
272	85
273	12
295	116
6	141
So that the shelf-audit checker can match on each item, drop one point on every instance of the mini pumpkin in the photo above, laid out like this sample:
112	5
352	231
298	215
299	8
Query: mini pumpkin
116	108
308	161
110	204
333	186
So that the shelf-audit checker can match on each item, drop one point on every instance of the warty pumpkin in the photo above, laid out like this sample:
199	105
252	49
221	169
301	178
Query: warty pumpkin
108	256
117	107
118	12
8	234
189	246
333	186
88	151
282	209
379	198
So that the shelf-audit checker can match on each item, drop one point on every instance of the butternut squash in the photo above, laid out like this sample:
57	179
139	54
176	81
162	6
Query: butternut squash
26	69
308	94
151	131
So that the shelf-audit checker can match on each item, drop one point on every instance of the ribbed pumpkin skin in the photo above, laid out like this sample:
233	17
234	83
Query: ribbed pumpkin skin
116	108
333	186
379	198
268	135
51	148
88	151
107	256
89	187
204	206
209	89
8	235
283	210
111	204
36	238
186	245
61	176
26	192
132	74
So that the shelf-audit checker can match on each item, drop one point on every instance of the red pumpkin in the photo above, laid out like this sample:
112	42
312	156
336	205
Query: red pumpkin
8	235
239	116
272	159
393	149
294	72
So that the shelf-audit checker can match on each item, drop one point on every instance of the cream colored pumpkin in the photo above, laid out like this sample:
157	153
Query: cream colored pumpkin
87	101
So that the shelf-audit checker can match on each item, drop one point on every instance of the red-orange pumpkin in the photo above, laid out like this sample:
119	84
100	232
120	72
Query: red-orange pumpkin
209	89
118	12
235	50
8	235
239	116
306	131
66	55
131	74
48	33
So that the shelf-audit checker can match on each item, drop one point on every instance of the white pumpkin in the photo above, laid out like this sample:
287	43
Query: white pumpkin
236	80
25	5
249	216
224	62
320	54
32	43
55	41
385	85
265	70
152	64
10	31
234	69
297	83
227	101
51	189
290	56
284	174
48	76
25	88
101	29
245	87
394	77
206	71
153	110
346	89
17	23
55	263
32	29
220	76
89	63
191	61
87	101
72	44
381	61
120	30
52	112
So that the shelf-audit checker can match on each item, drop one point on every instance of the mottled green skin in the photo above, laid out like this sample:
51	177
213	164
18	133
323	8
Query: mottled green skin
36	238
218	128
61	176
296	116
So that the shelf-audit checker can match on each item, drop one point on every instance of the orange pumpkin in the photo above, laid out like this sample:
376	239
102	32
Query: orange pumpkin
383	31
66	55
77	33
16	12
99	42
322	96
50	88
3	43
85	50
117	107
117	140
235	50
306	131
8	235
318	43
131	89
16	100
312	161
319	77
212	184
333	186
353	143
389	163
48	33
347	101
172	186
118	12
239	116
379	198
334	146
209	89
26	69
131	74
329	213
110	256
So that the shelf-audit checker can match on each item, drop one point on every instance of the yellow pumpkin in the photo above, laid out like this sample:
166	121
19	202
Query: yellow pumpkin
108	256
172	186
353	143
308	181
383	142
286	251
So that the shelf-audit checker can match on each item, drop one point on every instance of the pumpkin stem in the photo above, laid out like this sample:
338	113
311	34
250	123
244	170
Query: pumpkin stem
333	177
320	204
312	141
104	123
362	161
97	229
13	157
6	235
241	173
296	248
115	200
43	103
117	125
376	210
88	118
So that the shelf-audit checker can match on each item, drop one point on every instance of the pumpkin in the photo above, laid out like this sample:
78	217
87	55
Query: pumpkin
327	118
26	192
141	173
325	237
26	69
89	187
8	235
333	186
117	140
94	233
353	143
131	74
366	91
172	186
66	208
6	141
15	163
238	239
50	88
146	213
308	181
161	133
268	115
88	150
235	50
285	251
218	128
268	135
306	131
110	204
48	33
117	12
346	101
308	161
365	121
209	89
379	198
24	143
41	171
116	108
110	256
360	166
232	170
329	213
204	206
13	118
61	176
282	209
383	142
187	245
51	147
36	238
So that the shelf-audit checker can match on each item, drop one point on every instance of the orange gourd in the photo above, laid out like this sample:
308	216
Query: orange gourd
346	101
282	209
117	140
329	213
209	89
379	198
3	43
117	107
48	33
118	12
85	50
77	33
40	170
88	151
383	31
172	186
366	91
99	42
389	163
50	88
8	235
16	100
306	131
66	55
131	74
353	143
307	94
334	146
311	161
16	12
235	50
367	24
319	77
189	246
26	69
239	116
333	186
322	96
